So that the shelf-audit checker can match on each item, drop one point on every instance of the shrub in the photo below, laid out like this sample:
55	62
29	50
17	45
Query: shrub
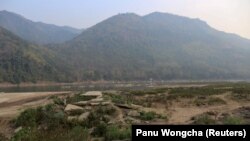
150	91
27	118
117	133
204	120
195	91
230	120
25	134
106	110
58	101
148	115
78	133
78	97
100	130
209	101
2	137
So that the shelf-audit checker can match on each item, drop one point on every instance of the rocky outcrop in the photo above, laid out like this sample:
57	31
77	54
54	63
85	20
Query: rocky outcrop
70	108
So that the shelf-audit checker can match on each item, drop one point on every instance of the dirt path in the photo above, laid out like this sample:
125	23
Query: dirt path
183	115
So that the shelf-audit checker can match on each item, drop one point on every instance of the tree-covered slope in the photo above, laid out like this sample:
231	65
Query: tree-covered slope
159	46
23	62
36	32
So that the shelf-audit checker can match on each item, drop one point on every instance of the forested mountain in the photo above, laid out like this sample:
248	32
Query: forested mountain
159	46
36	32
21	61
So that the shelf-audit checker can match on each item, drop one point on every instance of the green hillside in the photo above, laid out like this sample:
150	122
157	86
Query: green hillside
159	46
24	62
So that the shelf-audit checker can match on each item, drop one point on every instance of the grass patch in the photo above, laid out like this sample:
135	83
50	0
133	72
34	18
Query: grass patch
77	133
204	120
241	97
98	116
2	137
115	132
78	97
232	120
194	91
150	91
209	101
147	116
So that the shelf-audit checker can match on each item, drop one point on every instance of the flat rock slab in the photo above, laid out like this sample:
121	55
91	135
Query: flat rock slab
83	116
124	106
97	100
82	103
133	113
71	118
71	107
95	104
93	93
106	103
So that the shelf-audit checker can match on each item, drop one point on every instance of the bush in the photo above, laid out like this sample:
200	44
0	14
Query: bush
48	115
204	120
195	91
78	97
77	133
100	130
106	110
209	101
27	118
117	133
2	137
150	91
58	101
25	134
148	115
230	120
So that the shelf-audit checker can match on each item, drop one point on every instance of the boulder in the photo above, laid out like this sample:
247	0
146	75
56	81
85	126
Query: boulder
124	106
72	118
83	116
71	107
132	120
87	108
18	129
93	94
133	113
82	103
95	104
106	103
97	100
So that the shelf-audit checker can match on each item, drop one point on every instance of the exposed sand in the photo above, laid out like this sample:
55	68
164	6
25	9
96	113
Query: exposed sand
183	115
12	104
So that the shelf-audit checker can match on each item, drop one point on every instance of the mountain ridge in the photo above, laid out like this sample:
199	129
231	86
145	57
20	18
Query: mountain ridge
21	61
163	45
36	32
157	46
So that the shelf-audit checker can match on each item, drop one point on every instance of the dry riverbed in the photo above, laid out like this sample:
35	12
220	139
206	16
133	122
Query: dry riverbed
12	104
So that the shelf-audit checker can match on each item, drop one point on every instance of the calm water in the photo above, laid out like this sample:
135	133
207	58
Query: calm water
74	87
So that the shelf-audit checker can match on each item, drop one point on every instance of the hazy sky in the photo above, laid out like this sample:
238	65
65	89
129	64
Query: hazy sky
227	15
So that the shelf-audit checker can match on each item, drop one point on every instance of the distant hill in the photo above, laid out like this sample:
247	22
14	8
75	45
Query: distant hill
36	32
160	46
21	61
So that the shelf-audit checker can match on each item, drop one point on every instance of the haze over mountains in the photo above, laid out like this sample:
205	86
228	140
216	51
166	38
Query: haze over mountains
159	45
36	32
21	61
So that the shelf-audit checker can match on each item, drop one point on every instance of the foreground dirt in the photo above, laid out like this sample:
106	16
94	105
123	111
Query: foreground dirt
12	104
183	115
